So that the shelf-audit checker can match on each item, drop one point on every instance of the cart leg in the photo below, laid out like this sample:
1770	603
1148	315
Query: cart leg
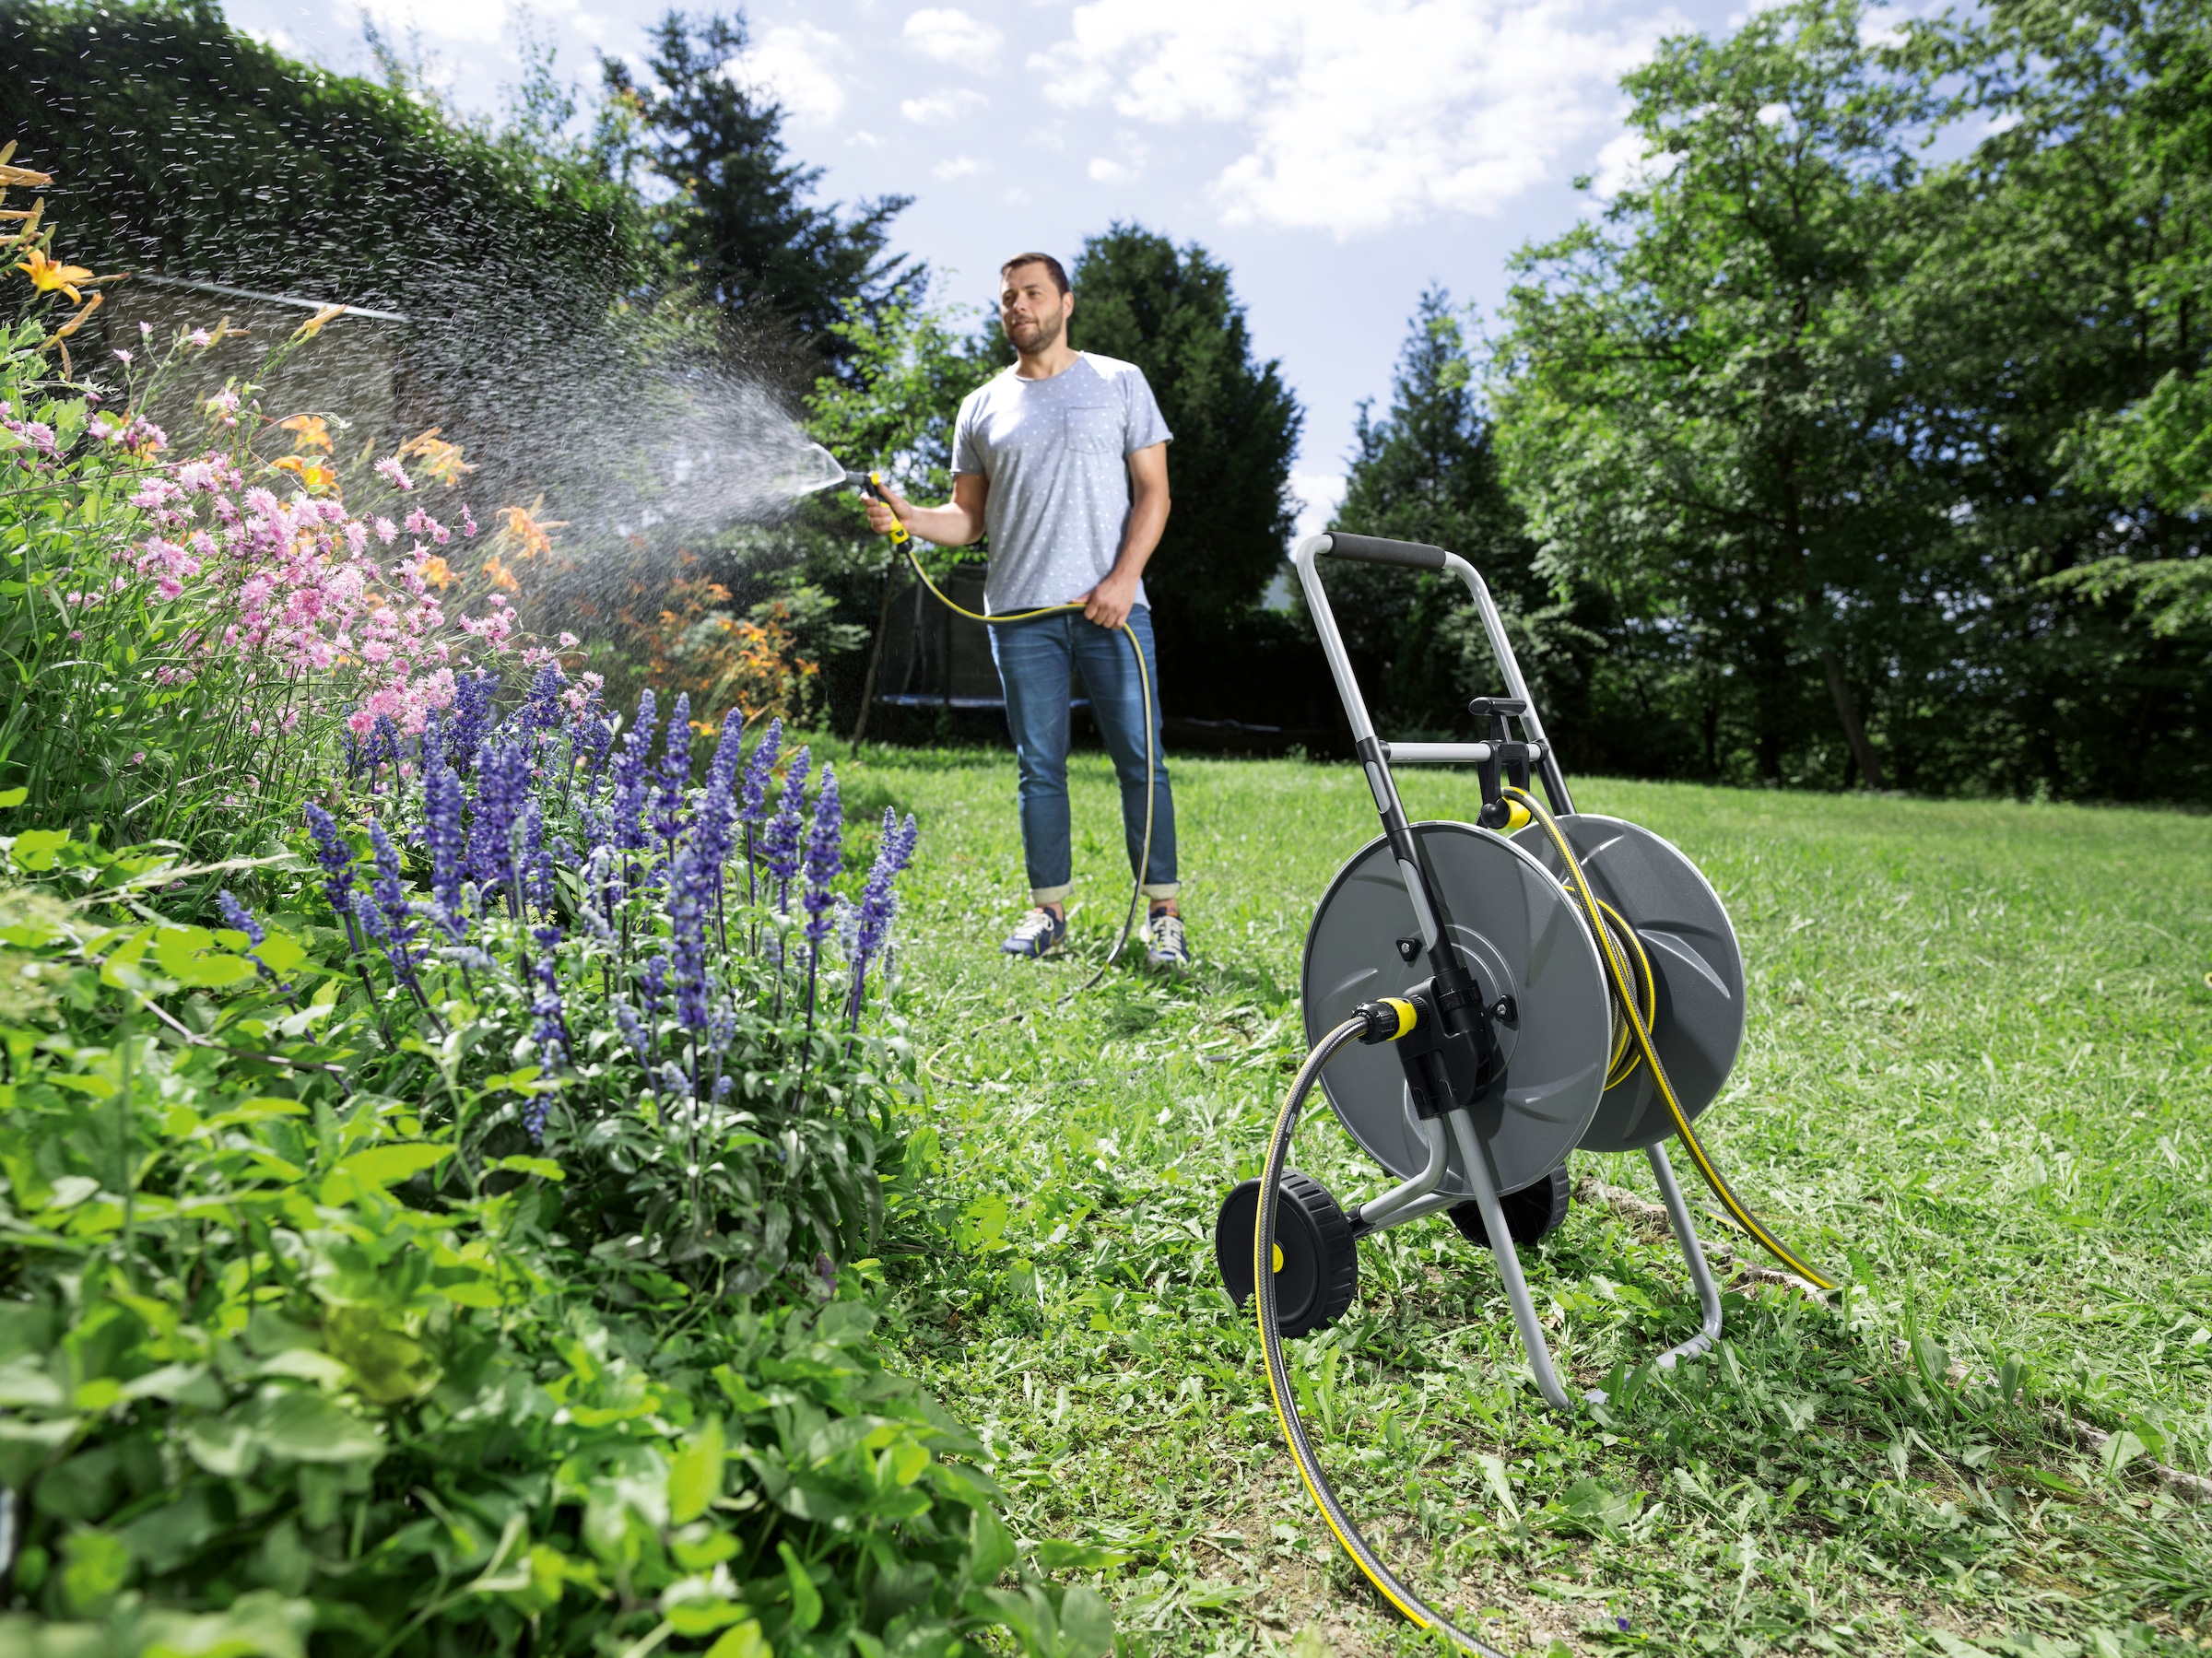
1686	1234
1509	1262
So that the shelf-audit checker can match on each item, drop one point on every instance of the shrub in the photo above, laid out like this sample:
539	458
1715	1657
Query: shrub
294	1356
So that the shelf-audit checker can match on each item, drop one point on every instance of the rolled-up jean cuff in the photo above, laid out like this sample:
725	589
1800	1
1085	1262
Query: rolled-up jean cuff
1162	890
1041	895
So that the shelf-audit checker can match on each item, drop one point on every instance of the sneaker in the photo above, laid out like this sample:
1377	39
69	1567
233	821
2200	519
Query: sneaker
1040	931
1169	949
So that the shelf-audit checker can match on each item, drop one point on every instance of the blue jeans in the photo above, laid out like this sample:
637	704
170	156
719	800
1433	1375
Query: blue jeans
1037	662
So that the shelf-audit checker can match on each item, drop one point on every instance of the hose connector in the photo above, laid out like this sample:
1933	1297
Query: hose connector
1387	1020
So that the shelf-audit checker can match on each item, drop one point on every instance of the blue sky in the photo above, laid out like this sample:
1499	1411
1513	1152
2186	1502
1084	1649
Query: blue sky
1339	155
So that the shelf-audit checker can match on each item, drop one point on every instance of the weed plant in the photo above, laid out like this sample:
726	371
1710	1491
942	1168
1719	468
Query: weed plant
1978	1081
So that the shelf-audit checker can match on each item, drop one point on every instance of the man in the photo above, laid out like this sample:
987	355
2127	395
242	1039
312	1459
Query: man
1063	458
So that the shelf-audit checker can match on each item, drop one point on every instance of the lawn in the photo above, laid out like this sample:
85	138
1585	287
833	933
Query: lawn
1978	1081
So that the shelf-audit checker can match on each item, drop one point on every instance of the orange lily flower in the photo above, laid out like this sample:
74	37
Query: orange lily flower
313	475
530	538
498	575
308	431
439	459
436	572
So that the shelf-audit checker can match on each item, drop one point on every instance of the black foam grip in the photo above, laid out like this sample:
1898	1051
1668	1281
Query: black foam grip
1373	550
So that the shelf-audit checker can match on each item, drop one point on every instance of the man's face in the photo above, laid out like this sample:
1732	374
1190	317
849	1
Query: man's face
1031	309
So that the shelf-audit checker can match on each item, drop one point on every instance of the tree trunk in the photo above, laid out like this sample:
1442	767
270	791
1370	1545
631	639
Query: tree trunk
1847	715
883	626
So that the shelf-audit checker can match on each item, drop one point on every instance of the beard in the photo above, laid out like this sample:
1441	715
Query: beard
1041	335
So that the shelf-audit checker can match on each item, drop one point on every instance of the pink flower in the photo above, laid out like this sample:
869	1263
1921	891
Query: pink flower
386	530
124	357
569	641
202	339
145	331
390	467
468	522
138	759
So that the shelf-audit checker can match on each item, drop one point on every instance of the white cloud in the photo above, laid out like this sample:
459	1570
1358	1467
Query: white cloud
960	167
790	62
864	138
1622	162
477	21
1360	117
1319	495
948	35
1105	171
942	106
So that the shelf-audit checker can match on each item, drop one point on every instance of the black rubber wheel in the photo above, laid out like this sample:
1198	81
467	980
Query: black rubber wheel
1320	1270
1530	1213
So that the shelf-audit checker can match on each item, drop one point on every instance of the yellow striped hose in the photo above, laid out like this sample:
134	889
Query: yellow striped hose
1639	1023
904	543
1417	1610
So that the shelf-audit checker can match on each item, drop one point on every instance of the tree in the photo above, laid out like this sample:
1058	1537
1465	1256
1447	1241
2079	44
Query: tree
1696	400
1427	472
2062	303
1173	314
742	222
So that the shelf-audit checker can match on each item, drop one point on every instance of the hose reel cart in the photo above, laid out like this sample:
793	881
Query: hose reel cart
1481	1000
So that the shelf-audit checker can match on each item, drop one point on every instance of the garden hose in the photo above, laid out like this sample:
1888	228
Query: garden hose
1639	1023
1271	1339
903	542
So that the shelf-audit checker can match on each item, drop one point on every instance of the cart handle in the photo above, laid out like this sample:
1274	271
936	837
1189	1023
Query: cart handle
1374	550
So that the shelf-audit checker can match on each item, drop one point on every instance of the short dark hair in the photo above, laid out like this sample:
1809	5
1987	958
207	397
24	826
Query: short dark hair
1053	269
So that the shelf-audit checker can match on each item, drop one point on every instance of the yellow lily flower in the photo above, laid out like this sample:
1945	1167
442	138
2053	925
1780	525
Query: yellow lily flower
436	572
313	325
314	476
47	274
498	575
530	537
439	459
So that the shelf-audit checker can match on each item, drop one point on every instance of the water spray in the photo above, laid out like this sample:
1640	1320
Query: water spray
819	470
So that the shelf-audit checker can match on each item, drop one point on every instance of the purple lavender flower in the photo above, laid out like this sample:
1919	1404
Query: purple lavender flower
689	886
781	841
472	718
502	788
337	859
537	860
540	710
675	775
592	737
652	989
396	925
824	858
443	802
632	1029
878	903
239	919
753	804
630	781
549	1033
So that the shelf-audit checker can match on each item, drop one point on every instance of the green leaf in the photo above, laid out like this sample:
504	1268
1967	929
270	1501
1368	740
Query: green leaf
745	1640
387	1165
695	1477
1931	1361
307	1427
806	1600
1087	1622
13	797
34	849
545	1168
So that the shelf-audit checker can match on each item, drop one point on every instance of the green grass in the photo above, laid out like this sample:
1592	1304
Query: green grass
1979	1075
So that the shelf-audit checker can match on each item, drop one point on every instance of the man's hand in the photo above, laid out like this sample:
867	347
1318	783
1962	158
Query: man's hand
881	517
1110	601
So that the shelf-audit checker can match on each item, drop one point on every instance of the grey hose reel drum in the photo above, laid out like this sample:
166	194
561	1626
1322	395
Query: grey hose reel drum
1518	934
1698	970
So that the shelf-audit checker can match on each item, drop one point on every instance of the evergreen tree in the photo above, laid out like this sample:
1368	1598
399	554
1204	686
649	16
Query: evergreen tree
743	220
1173	314
1427	472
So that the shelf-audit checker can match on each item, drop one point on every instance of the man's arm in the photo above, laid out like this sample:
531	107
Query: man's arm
959	523
1110	602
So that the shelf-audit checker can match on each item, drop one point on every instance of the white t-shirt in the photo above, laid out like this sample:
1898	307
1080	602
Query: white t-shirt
1057	454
